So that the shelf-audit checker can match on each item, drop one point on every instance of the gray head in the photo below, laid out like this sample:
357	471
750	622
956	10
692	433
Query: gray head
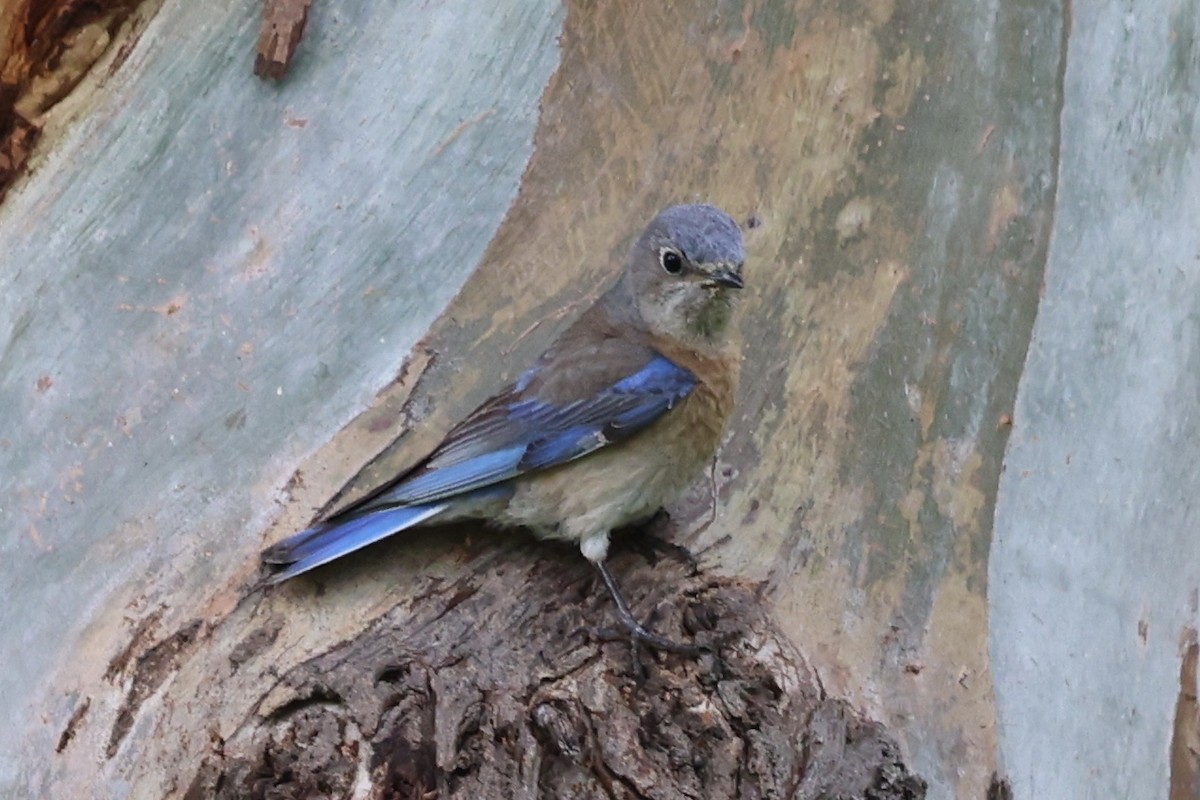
684	270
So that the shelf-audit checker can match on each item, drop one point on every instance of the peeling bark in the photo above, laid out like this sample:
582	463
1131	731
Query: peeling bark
282	28
1185	739
46	48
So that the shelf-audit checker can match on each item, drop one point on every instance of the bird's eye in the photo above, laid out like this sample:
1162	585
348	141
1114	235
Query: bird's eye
671	261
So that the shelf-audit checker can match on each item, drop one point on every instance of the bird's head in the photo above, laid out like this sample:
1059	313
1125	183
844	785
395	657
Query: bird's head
684	270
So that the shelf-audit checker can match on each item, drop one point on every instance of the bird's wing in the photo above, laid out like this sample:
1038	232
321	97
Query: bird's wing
529	427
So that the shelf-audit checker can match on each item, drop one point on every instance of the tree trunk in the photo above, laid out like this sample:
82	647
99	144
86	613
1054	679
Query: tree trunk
229	305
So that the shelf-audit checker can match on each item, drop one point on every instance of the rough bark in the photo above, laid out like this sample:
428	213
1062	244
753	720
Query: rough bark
529	705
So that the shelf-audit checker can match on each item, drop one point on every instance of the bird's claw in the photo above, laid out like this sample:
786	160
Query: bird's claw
634	629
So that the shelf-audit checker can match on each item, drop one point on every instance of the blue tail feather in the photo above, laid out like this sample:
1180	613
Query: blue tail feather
326	541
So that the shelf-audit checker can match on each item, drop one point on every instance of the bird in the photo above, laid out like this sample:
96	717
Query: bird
611	423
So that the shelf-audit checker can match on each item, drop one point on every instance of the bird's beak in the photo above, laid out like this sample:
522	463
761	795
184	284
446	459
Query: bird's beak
727	278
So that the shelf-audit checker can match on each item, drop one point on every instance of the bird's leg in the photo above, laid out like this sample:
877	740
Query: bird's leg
635	628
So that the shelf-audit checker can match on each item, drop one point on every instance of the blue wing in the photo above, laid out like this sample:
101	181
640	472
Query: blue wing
512	434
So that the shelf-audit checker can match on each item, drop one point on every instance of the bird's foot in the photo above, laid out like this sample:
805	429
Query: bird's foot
637	634
634	629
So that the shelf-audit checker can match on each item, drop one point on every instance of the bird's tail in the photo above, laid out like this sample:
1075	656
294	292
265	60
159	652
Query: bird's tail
326	541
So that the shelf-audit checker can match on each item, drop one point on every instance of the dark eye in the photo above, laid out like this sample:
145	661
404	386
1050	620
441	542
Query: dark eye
671	261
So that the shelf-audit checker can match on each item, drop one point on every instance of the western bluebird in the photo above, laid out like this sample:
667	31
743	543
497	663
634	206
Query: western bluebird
608	425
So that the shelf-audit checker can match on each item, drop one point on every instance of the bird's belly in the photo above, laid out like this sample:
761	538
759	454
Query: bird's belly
624	482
